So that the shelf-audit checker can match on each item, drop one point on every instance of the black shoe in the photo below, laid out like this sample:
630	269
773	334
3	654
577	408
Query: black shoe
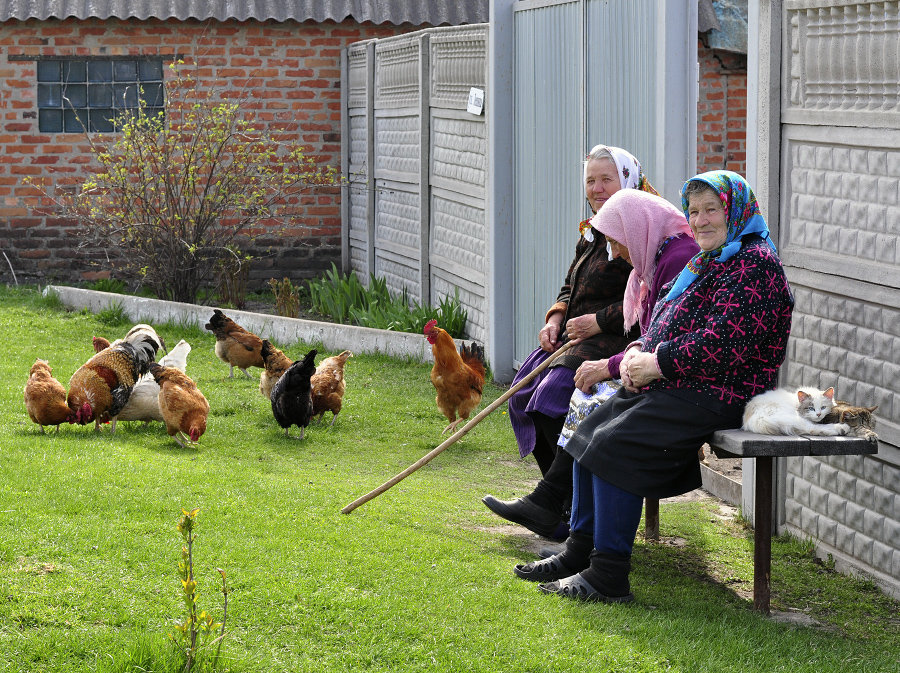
580	589
545	570
522	511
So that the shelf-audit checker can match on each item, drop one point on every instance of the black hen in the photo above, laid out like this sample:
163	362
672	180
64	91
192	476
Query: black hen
292	395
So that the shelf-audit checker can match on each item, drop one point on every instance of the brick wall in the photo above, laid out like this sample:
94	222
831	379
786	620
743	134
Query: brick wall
294	73
722	111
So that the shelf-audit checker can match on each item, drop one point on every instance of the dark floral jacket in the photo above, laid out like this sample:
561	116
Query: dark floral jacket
723	339
594	285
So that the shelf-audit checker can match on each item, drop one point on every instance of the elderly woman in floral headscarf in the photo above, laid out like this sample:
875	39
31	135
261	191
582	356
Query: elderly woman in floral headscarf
588	308
716	339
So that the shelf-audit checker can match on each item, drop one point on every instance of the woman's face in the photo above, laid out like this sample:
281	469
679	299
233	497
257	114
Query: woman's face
618	250
601	182
706	215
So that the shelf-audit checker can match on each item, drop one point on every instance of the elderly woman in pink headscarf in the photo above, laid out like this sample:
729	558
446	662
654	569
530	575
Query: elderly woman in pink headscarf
653	236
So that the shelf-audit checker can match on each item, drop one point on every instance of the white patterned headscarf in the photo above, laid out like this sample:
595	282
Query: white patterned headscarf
631	175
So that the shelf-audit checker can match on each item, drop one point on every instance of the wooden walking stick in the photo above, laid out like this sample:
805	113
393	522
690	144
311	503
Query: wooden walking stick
456	435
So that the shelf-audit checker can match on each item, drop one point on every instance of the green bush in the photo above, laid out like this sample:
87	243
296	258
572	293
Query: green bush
113	285
344	299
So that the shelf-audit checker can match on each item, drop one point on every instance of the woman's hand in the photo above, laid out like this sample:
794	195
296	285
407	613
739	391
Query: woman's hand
590	372
582	327
638	370
549	334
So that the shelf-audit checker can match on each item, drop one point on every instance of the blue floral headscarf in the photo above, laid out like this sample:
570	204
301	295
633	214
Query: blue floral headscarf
741	215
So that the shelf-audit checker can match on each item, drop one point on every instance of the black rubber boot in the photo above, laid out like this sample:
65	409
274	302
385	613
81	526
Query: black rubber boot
605	581
574	558
547	431
554	490
525	512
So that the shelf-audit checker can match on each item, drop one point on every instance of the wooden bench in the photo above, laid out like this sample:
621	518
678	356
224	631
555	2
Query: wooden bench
764	448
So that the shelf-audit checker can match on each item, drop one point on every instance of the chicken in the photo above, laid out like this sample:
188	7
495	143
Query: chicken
292	395
235	345
184	408
457	377
276	363
100	388
328	386
143	405
45	397
100	344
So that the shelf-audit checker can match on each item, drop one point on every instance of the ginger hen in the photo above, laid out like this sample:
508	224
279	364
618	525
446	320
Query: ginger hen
276	364
458	377
235	345
45	397
328	386
184	408
100	388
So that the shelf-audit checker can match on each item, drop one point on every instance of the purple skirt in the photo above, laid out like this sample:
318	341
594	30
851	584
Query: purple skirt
548	393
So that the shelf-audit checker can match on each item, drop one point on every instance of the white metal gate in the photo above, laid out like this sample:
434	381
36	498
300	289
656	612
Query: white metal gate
617	72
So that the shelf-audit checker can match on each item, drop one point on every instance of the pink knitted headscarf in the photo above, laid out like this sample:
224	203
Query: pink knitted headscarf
641	222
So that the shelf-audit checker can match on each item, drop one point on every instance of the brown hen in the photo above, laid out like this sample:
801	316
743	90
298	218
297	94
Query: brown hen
328	386
45	397
235	345
184	408
276	364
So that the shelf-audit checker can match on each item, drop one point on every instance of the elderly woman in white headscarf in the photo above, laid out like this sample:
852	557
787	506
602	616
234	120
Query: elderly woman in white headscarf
588	308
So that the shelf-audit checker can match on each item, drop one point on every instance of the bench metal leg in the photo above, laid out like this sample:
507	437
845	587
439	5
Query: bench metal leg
651	519
762	535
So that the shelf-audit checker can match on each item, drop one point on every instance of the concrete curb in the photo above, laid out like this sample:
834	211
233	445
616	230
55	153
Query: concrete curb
285	331
724	488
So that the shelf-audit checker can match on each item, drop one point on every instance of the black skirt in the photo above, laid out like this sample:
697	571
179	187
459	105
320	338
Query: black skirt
647	443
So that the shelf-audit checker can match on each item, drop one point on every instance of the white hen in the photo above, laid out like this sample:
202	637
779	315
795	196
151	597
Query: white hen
143	405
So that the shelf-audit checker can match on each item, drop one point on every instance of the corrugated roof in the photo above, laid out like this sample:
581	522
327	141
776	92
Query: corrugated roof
416	12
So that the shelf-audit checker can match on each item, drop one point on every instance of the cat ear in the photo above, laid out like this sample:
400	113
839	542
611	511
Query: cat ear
802	396
829	393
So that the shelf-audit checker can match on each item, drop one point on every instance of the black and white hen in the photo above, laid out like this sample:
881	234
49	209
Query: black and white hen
292	395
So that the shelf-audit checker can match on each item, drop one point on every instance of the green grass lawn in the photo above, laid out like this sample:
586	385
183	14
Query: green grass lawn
419	579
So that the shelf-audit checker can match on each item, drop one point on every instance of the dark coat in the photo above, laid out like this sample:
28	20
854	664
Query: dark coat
594	285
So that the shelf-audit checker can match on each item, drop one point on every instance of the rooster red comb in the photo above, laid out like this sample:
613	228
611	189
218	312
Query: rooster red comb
430	325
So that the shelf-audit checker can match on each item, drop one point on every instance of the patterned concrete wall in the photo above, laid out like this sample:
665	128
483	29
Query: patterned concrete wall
418	218
838	216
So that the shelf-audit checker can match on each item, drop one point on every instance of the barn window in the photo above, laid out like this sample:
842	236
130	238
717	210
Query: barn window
74	95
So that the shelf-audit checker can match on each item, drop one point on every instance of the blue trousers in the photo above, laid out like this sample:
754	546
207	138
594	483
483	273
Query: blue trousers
605	511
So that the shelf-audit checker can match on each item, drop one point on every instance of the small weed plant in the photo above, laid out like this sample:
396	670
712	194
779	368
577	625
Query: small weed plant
197	634
346	300
113	315
287	297
233	271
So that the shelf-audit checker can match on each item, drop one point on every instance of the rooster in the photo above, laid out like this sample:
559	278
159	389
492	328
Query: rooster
458	378
276	364
328	386
184	408
45	397
292	395
235	345
100	388
143	405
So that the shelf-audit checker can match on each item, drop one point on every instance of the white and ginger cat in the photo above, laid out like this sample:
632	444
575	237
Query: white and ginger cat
797	412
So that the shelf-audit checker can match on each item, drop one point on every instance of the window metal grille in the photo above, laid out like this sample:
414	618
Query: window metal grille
92	94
